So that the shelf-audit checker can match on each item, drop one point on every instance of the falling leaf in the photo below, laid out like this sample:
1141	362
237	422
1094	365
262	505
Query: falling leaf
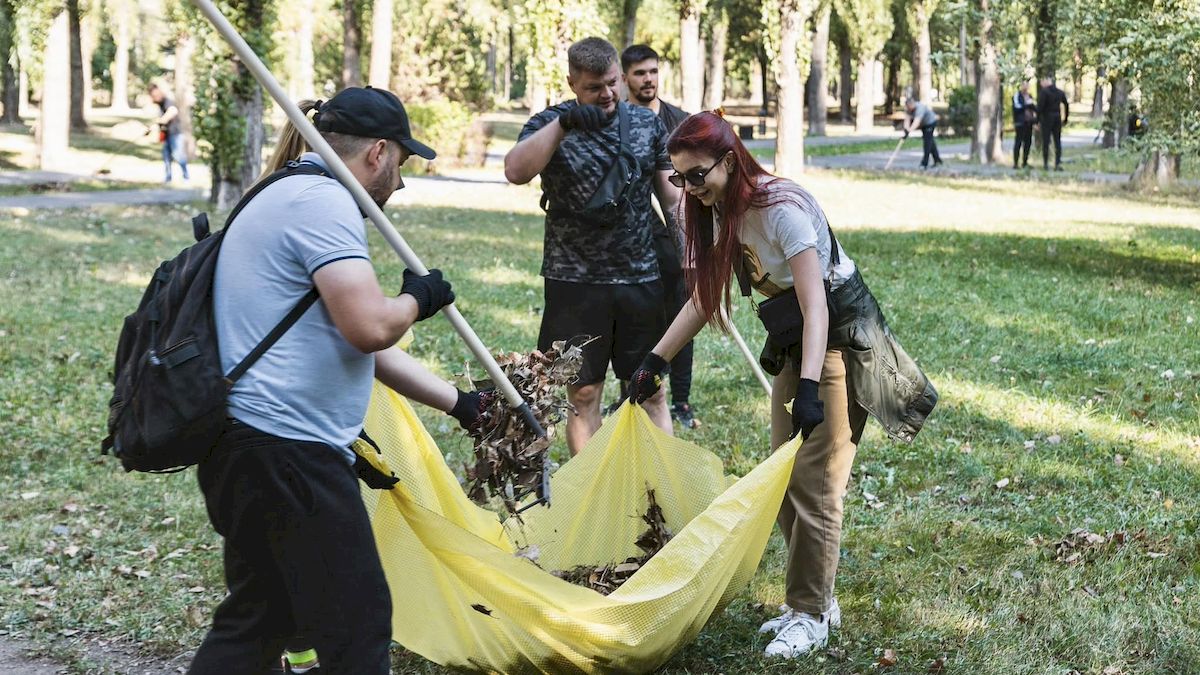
482	610
888	660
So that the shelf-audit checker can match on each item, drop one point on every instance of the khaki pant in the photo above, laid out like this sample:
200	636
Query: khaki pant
811	514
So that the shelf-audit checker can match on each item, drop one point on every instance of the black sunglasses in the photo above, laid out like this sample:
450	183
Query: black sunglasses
695	176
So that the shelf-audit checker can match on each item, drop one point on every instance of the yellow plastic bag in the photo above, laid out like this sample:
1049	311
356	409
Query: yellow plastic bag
463	599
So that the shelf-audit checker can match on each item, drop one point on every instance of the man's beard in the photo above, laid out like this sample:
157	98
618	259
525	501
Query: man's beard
380	189
646	95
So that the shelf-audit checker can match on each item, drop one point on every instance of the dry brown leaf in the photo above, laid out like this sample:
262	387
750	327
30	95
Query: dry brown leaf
605	579
888	660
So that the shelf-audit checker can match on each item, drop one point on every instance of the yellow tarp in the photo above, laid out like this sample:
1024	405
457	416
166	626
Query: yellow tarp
462	598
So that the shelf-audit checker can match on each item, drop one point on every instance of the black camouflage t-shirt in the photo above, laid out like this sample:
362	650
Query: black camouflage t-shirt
586	253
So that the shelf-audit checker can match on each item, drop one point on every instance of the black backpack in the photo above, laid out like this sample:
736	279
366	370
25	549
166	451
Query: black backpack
169	391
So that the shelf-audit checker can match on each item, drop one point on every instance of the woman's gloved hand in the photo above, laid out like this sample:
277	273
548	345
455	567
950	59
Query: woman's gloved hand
807	410
647	379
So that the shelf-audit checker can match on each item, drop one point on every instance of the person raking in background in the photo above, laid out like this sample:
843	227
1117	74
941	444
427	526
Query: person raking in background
639	65
170	133
921	116
821	320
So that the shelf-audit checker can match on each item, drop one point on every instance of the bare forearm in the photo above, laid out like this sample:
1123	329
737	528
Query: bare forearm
815	339
686	325
530	156
407	377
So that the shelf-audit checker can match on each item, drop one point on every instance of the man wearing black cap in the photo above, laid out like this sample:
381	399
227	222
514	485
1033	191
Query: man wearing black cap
600	159
280	485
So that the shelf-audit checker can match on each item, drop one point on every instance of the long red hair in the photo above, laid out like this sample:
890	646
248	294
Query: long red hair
710	280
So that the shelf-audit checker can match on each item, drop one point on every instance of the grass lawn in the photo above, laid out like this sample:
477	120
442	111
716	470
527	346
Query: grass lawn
1059	323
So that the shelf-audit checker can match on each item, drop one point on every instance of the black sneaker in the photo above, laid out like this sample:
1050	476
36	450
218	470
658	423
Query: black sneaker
685	414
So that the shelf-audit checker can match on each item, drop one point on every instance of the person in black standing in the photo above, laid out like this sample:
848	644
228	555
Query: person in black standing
1024	113
1052	101
639	66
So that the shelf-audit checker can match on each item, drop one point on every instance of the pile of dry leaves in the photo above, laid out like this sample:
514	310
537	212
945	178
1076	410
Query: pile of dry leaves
607	578
509	456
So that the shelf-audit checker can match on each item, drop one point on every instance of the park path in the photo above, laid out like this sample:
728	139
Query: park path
101	656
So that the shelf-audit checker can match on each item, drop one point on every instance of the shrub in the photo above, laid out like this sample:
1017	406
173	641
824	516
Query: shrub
443	126
961	116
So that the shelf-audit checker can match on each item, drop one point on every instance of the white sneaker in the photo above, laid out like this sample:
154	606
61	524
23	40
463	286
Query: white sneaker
775	625
801	635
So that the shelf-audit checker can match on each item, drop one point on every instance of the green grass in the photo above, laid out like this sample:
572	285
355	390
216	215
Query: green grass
1086	298
86	185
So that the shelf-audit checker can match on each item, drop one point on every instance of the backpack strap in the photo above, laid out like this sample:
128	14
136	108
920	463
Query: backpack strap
293	168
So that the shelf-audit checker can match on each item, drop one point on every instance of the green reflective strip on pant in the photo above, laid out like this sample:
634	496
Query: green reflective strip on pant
306	656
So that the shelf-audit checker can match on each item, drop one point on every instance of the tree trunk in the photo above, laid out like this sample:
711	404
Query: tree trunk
716	61
985	146
381	44
8	69
1098	97
864	92
892	90
691	56
789	112
629	21
351	41
1077	77
922	60
964	62
76	48
230	186
814	88
1046	38
1118	114
305	85
87	45
845	77
54	123
123	41
1158	170
765	87
509	71
185	48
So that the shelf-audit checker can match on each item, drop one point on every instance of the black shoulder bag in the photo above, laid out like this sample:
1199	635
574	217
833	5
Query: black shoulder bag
609	204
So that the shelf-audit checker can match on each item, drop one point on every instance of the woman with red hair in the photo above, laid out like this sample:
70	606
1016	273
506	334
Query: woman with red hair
828	346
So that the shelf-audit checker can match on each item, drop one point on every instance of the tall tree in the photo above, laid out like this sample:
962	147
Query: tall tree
78	121
718	44
351	44
123	15
985	145
691	53
228	114
1046	38
550	26
8	68
919	14
629	12
54	121
815	86
789	114
382	12
841	37
868	23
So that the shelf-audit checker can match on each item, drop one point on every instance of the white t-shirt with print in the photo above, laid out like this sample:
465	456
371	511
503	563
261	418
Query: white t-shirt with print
772	235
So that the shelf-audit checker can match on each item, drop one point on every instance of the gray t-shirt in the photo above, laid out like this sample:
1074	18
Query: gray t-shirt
924	114
312	385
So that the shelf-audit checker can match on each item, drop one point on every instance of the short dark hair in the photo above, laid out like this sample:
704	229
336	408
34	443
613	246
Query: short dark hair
591	55
636	54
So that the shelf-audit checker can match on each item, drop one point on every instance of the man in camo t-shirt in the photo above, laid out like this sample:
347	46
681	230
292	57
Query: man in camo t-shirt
601	279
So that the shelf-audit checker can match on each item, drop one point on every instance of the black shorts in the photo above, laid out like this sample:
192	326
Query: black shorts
625	320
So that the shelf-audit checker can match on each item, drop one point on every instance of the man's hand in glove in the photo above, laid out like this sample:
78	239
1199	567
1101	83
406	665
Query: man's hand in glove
807	410
583	118
470	408
431	292
647	379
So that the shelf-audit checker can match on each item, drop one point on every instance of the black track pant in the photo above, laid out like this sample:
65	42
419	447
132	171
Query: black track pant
300	558
1051	130
1022	144
671	269
929	143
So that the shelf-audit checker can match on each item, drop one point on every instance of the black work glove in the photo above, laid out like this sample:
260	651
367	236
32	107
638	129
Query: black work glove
807	410
583	118
906	134
367	473
431	292
469	408
647	379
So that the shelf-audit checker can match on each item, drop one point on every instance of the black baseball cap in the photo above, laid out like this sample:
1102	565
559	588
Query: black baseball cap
370	113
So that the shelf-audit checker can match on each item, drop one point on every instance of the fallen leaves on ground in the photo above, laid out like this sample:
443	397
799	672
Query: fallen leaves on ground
605	579
1081	544
509	456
